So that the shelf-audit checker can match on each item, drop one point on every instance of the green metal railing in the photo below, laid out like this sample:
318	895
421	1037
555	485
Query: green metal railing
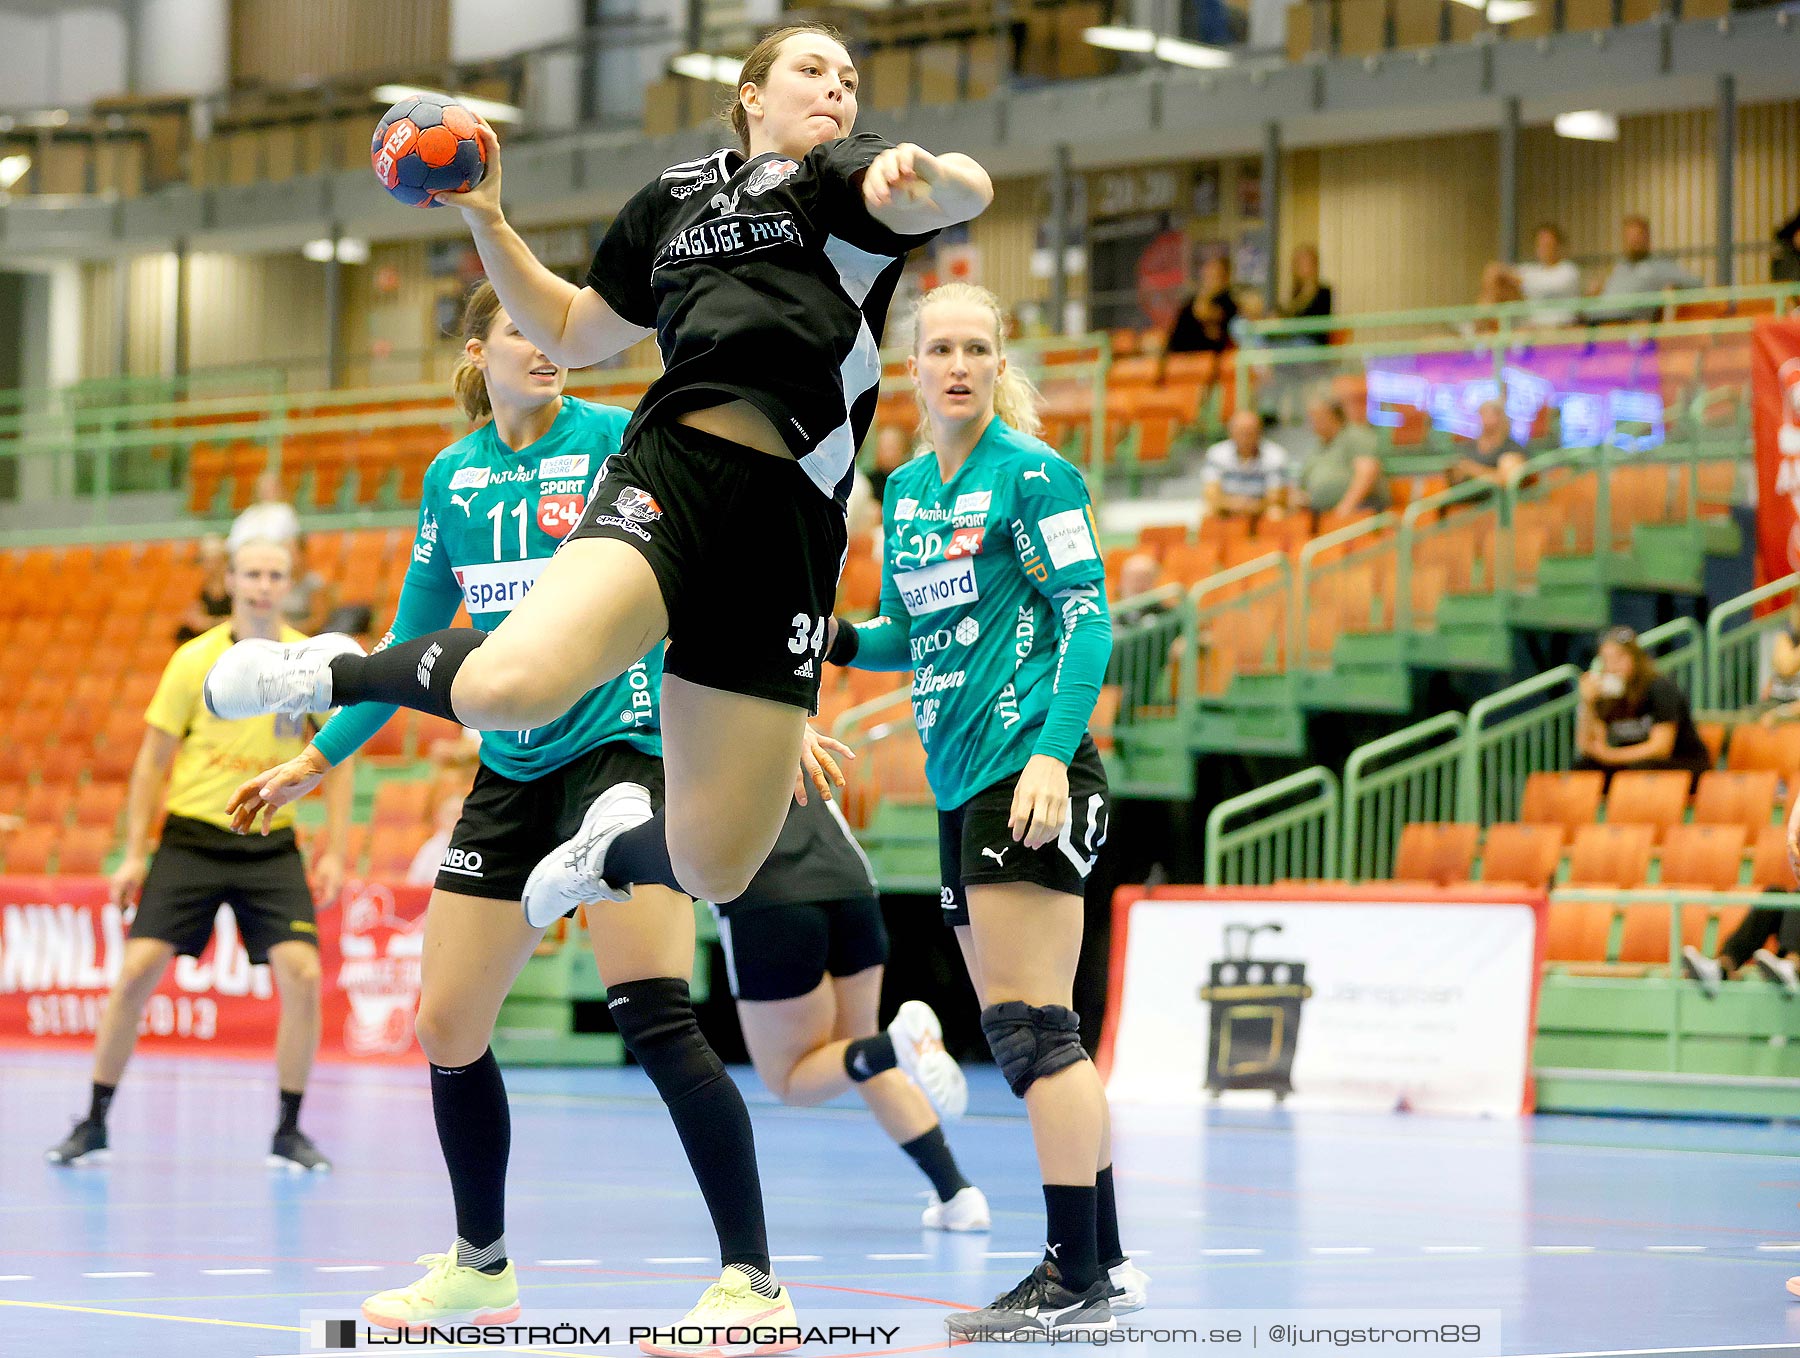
1412	775
1148	728
1288	829
1679	650
1346	575
1735	632
1241	612
1454	535
1513	734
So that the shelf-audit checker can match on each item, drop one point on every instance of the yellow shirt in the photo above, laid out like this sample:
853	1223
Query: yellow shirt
215	756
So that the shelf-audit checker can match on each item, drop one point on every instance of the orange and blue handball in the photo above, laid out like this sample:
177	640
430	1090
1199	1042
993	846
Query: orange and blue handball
426	145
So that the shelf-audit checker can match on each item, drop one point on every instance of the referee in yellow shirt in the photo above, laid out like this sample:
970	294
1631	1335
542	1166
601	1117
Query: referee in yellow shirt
200	864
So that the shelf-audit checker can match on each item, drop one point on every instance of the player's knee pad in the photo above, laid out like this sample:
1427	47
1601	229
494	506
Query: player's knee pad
656	1020
1030	1042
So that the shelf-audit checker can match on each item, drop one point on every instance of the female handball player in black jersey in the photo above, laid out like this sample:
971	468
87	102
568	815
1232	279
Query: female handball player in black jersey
993	593
765	274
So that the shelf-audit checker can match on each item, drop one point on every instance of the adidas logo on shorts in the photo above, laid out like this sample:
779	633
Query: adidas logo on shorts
805	671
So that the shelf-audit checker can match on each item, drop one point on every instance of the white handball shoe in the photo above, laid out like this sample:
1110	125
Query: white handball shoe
966	1211
569	875
919	1047
255	678
1131	1287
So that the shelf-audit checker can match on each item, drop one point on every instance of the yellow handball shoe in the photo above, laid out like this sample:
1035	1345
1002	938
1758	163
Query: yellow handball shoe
448	1294
728	1313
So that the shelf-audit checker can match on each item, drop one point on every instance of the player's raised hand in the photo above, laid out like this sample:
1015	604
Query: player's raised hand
481	203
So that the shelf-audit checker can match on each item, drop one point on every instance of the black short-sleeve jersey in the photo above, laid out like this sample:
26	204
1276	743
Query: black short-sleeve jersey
767	281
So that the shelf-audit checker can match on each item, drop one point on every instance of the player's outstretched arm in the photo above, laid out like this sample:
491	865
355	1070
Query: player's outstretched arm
910	191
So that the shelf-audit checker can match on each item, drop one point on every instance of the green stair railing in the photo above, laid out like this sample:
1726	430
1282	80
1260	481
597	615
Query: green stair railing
1735	636
1412	775
1511	735
1286	830
1679	650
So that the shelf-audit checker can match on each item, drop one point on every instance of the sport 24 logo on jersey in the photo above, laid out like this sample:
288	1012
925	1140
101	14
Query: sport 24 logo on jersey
558	514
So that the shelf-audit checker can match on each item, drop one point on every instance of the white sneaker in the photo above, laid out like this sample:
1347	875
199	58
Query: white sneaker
1779	970
919	1047
966	1211
1704	970
1131	1287
569	875
258	677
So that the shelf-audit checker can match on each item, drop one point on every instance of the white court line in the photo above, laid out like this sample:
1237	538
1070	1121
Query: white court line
350	1268
235	1272
1452	1249
1675	1249
1342	1249
1231	1251
1778	1247
678	1259
1139	1254
565	1263
122	1273
26	1277
1562	1249
1013	1254
796	1258
897	1256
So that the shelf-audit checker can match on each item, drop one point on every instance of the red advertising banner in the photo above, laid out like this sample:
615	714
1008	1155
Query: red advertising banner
61	943
1775	390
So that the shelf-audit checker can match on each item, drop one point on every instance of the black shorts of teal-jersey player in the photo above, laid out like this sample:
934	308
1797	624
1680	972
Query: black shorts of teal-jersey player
768	281
993	593
489	520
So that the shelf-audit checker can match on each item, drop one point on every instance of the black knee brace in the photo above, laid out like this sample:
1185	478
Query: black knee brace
656	1019
1030	1042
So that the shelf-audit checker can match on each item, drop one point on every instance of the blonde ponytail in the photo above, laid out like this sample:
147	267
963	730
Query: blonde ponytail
468	383
1015	395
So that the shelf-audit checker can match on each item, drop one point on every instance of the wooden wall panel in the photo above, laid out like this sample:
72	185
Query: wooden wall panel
1005	235
283	42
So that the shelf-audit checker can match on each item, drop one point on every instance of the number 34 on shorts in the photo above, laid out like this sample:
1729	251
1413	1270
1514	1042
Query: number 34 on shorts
809	635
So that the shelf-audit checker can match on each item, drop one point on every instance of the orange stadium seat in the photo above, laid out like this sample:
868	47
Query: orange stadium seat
1439	854
83	849
1709	857
1765	747
47	804
1746	798
1518	854
99	804
1712	735
1653	797
113	763
392	849
1611	855
1568	800
1576	931
28	850
401	802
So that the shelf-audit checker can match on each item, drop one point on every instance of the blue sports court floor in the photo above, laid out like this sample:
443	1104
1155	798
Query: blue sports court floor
1587	1235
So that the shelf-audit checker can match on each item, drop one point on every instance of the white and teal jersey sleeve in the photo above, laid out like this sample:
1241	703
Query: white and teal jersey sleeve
997	582
491	519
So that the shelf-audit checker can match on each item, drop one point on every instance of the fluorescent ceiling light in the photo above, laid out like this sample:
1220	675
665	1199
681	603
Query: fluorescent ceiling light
1119	38
491	109
349	250
705	66
1506	11
12	170
1184	53
1588	124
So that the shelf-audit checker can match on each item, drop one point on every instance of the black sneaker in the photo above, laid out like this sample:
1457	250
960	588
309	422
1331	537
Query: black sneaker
84	1145
1040	1304
295	1152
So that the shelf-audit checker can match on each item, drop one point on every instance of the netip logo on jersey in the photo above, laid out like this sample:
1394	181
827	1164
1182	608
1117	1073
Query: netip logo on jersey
637	505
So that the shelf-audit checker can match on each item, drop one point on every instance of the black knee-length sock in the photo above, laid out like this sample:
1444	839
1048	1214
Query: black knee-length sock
474	1129
641	854
1106	1221
1069	1239
416	674
931	1153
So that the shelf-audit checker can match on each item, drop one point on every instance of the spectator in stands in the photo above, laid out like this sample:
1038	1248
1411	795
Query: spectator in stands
214	601
1549	278
1246	475
1203	324
1631	717
1494	454
1785	267
270	519
312	597
1636	272
1783	693
1139	573
1309	296
1343	475
1748	945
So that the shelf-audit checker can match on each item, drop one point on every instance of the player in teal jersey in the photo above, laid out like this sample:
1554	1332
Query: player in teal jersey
993	595
495	505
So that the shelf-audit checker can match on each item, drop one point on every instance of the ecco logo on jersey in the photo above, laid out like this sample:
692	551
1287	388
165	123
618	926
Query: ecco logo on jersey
471	478
463	862
499	587
948	584
966	633
552	468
